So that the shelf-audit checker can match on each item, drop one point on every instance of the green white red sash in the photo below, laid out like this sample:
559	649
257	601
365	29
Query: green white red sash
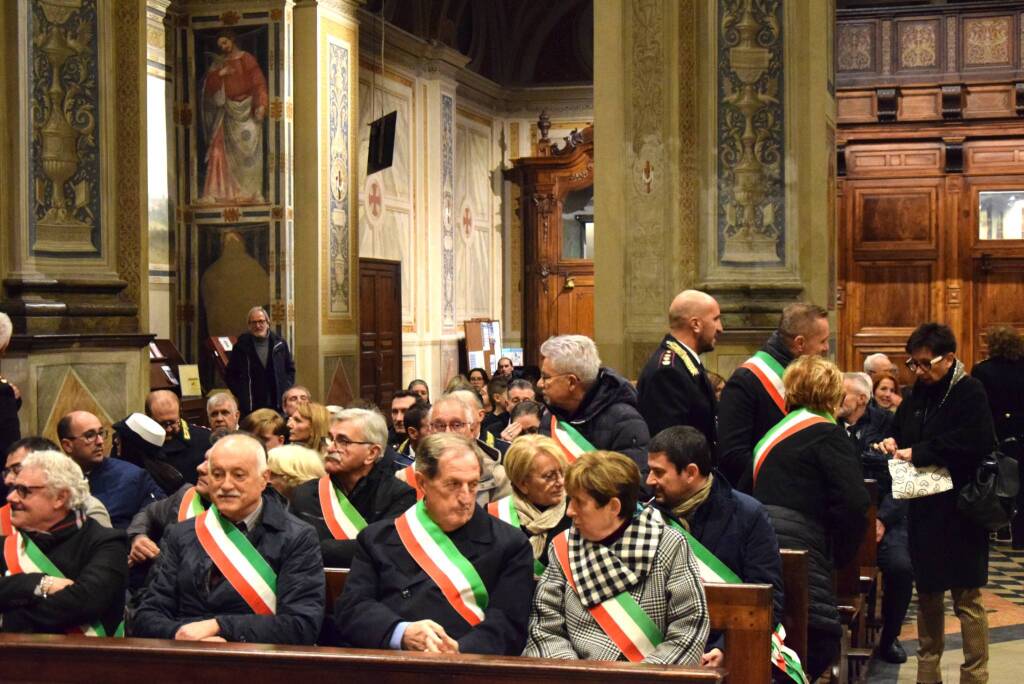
505	510
798	420
410	479
341	517
238	560
769	372
620	617
22	555
715	571
191	505
572	442
6	526
437	556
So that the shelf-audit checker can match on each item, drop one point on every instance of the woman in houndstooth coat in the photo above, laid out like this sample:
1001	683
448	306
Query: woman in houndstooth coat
610	552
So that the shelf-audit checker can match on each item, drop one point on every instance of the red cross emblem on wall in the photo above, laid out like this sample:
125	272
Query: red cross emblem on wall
375	200
467	221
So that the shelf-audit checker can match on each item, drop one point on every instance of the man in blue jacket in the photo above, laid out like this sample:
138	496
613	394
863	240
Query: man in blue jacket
734	527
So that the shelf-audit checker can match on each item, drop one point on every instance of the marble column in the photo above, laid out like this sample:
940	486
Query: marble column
716	119
73	227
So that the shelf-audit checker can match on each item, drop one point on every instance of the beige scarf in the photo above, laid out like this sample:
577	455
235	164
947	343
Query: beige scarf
685	509
538	522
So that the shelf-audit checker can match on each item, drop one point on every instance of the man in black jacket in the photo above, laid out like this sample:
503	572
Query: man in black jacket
356	475
210	583
261	367
753	401
598	402
392	599
60	573
185	445
673	386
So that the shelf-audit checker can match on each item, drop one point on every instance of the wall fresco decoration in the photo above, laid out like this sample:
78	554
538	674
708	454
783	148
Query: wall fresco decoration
448	209
338	146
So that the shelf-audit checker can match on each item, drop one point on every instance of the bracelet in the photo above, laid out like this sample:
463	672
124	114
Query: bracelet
44	586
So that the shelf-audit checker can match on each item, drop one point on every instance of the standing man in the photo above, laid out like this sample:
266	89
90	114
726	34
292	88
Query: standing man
186	444
261	367
674	387
222	412
505	368
292	397
753	400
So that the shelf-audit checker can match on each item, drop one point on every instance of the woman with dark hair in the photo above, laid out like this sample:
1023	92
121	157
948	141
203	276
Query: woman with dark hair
945	422
886	392
478	378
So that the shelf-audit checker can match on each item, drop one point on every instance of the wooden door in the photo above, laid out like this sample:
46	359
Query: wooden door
380	330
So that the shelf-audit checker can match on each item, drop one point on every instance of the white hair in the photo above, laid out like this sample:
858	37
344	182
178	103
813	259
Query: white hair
874	359
468	411
6	330
575	354
470	397
61	474
372	423
219	398
253	444
862	381
257	308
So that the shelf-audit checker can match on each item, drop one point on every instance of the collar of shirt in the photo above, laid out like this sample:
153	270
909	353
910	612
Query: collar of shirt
685	346
251	519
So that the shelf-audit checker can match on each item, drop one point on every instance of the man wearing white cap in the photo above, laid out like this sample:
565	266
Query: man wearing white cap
123	488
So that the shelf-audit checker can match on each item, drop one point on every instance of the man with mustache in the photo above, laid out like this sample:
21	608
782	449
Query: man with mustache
359	488
393	596
243	570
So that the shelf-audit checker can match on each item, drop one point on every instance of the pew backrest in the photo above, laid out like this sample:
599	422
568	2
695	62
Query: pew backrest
796	600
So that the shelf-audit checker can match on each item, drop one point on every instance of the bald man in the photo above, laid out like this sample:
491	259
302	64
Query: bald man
674	387
186	444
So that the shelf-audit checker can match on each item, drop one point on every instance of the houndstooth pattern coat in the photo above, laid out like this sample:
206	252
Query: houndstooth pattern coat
670	593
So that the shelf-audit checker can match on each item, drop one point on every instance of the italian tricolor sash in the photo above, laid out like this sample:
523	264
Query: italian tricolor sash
23	556
437	555
713	570
769	372
410	479
505	510
238	560
6	526
798	420
341	517
572	442
191	505
620	617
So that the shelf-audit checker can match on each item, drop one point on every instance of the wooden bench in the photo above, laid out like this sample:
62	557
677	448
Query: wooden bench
741	611
796	600
53	659
853	582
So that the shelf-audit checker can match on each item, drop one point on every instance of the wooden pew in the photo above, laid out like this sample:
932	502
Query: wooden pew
54	659
796	600
742	611
852	583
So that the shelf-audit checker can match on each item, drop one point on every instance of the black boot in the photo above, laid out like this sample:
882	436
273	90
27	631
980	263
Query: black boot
893	652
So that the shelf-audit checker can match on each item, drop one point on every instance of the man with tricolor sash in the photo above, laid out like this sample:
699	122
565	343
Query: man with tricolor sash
729	532
63	573
359	488
754	400
444	576
589	401
243	570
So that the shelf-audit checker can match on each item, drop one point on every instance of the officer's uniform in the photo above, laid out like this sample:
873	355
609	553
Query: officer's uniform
674	390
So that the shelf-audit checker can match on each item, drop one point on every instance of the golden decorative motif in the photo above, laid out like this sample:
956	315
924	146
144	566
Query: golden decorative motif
277	212
276	14
951	44
230	18
231	214
918	45
856	45
987	40
886	47
276	107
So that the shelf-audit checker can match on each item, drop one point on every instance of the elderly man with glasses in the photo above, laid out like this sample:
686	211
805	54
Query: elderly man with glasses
261	367
124	488
359	488
61	572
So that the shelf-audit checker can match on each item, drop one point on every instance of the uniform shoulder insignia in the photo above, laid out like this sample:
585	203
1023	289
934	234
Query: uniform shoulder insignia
666	358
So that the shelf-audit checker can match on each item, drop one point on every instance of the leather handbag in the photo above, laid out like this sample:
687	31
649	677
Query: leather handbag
990	498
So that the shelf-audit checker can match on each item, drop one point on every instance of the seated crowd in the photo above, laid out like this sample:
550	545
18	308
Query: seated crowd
560	512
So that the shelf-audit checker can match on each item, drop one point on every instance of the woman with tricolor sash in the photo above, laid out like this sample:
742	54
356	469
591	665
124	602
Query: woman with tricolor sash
807	473
62	573
620	585
536	467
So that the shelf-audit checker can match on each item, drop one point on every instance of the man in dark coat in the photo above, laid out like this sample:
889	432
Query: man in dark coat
185	445
261	367
945	422
391	598
673	386
734	527
752	401
87	592
193	595
598	402
355	469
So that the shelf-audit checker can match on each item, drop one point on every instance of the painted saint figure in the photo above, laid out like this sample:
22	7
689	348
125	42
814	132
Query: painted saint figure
234	103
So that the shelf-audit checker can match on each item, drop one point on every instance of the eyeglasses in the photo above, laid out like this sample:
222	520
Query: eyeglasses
454	426
530	431
923	365
169	423
262	321
341	442
91	435
25	491
550	378
552	477
13	470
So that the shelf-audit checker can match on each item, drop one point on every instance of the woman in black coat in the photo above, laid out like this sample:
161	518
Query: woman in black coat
808	475
945	422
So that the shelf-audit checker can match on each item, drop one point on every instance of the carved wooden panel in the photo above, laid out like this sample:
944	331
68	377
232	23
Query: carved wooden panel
894	294
856	107
896	160
988	41
921	104
989	101
919	44
857	47
994	157
998	298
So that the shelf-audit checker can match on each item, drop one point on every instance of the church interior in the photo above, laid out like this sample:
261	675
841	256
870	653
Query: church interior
538	169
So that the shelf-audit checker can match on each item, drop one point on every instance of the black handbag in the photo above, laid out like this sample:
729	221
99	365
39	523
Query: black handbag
990	498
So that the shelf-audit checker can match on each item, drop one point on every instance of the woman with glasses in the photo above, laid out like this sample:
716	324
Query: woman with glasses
307	426
536	467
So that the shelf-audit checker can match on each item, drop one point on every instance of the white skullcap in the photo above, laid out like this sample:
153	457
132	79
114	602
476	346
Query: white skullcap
146	428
